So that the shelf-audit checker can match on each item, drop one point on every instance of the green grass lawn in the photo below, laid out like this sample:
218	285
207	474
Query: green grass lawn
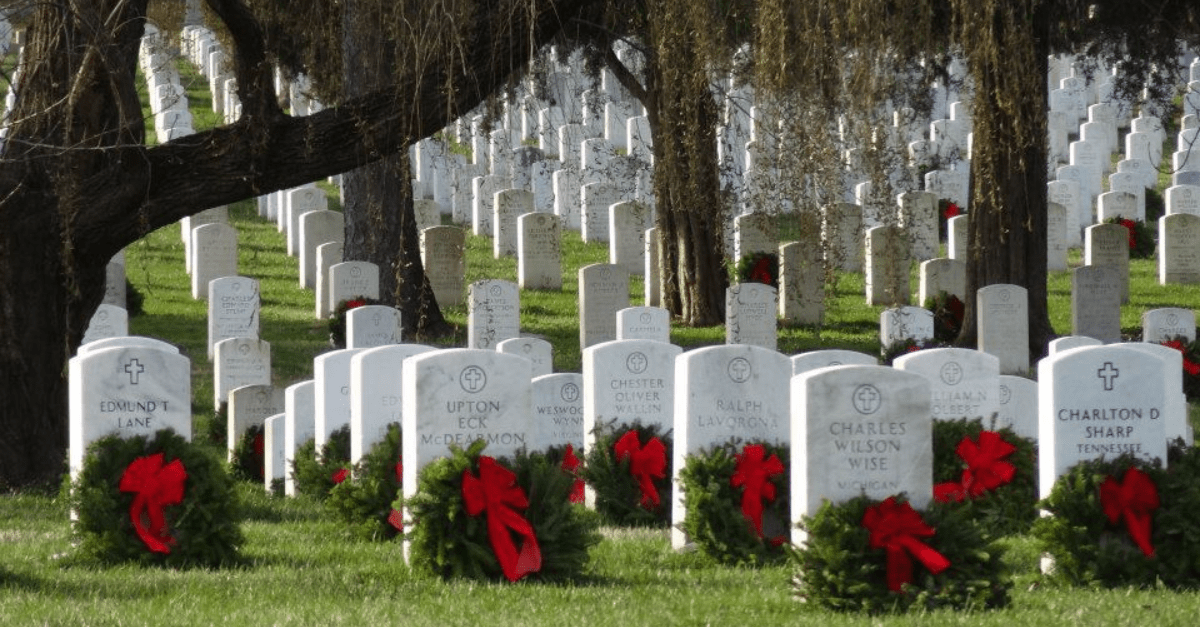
302	568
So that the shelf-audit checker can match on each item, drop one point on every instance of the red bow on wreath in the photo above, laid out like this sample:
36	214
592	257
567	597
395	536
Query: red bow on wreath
570	463
1133	499
895	527
155	486
646	463
753	474
395	518
985	469
761	272
1189	366
495	492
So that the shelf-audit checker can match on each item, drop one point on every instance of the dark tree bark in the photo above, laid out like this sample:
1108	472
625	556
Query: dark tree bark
380	222
1007	240
77	183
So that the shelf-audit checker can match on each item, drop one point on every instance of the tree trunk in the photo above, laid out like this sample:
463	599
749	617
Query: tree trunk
377	198
77	183
1008	193
690	211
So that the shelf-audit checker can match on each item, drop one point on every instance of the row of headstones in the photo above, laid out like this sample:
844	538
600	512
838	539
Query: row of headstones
168	97
848	431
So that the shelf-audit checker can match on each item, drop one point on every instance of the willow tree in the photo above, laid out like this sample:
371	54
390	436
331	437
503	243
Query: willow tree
78	183
844	56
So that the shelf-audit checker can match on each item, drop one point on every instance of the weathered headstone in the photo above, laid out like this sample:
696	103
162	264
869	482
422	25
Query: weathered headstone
956	238
830	357
237	362
376	398
1183	199
329	254
249	406
942	275
886	268
233	307
316	228
919	219
1002	320
651	287
1096	302
373	325
750	315
964	383
1100	401
1057	240
443	253
1179	249
603	291
493	313
905	323
539	352
859	430
627	226
841	236
726	393
557	411
109	321
644	323
127	390
1018	408
352	279
595	200
507	206
297	202
801	283
1168	323
214	255
1108	245
539	252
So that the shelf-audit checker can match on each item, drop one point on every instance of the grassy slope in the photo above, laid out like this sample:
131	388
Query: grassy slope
302	570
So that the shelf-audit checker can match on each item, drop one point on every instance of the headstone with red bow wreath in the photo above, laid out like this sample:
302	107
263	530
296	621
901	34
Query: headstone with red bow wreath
158	500
499	519
366	500
1125	522
989	471
316	475
760	267
1191	365
736	499
866	555
247	461
337	319
629	469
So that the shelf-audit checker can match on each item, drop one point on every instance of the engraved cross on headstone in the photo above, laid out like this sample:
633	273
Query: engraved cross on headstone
1109	373
133	369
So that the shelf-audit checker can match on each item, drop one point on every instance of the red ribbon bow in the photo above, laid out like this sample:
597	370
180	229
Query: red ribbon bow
495	492
753	475
985	469
570	463
895	527
1134	498
340	475
155	486
646	463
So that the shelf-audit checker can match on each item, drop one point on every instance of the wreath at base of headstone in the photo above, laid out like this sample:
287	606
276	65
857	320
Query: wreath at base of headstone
317	476
1191	365
991	474
542	535
760	267
899	348
247	463
337	319
841	568
1125	522
218	425
365	501
720	485
629	469
155	501
1141	237
948	311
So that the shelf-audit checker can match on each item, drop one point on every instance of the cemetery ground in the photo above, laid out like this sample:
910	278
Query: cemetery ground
300	566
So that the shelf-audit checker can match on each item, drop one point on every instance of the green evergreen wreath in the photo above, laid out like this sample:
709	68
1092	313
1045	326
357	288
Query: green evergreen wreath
1191	365
903	347
1007	510
365	500
337	319
204	527
448	542
248	463
713	516
1088	549
618	493
837	568
948	311
316	477
1141	237
761	267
